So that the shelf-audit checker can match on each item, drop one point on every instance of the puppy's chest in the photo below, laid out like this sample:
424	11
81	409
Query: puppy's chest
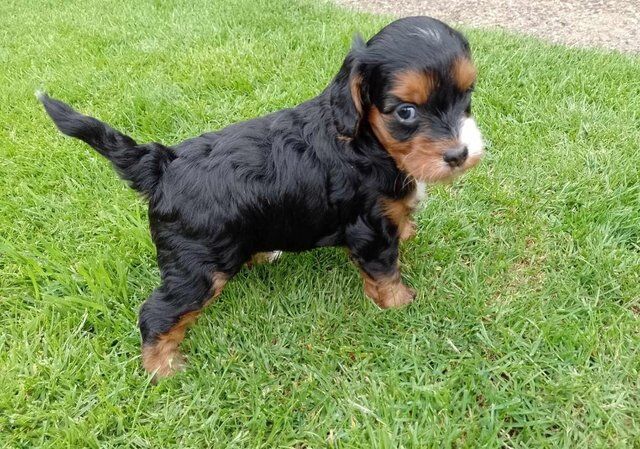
417	198
420	195
406	204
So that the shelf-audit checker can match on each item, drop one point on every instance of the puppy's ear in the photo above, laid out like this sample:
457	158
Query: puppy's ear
347	93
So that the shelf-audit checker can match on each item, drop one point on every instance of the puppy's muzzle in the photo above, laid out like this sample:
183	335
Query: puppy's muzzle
470	138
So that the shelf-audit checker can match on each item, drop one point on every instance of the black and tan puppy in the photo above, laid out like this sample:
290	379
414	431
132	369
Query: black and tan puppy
343	169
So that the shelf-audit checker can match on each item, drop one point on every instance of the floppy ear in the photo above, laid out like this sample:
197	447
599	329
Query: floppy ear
347	92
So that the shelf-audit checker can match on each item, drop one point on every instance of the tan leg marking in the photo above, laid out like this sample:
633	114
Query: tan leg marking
163	358
399	212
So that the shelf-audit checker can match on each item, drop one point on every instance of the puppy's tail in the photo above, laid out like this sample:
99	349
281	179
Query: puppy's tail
141	165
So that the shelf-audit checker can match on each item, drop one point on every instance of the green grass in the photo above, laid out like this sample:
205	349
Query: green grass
526	329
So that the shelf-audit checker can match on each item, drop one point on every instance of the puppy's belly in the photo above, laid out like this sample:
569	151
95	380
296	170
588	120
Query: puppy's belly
297	243
296	237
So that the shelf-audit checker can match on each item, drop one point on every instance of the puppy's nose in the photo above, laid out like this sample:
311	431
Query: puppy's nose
456	157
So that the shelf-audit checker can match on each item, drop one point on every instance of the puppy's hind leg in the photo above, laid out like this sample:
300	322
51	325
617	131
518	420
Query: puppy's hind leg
165	316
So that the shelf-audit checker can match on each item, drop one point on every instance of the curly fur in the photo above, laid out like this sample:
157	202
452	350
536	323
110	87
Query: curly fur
319	174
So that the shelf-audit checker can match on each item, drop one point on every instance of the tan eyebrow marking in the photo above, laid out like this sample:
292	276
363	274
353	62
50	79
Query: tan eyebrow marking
413	87
464	73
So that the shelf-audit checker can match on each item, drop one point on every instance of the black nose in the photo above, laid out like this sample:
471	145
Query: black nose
456	157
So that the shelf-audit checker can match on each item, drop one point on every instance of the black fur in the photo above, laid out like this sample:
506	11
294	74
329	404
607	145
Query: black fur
297	179
140	165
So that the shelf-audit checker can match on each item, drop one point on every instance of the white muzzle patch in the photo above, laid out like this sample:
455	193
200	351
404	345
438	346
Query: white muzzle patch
471	137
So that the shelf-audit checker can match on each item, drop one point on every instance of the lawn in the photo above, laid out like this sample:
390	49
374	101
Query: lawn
526	329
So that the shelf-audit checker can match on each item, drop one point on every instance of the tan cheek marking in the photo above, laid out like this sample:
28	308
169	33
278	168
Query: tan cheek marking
419	156
464	73
394	147
413	87
163	357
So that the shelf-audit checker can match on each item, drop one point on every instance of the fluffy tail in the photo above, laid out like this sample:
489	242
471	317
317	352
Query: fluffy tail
141	165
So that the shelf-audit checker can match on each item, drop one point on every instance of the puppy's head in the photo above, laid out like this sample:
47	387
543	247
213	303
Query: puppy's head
410	86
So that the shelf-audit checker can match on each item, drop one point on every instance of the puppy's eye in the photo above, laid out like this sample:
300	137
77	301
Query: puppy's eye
406	113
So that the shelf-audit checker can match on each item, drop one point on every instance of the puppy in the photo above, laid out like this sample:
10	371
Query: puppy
343	169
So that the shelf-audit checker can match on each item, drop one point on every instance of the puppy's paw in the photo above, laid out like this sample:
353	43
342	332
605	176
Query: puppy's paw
396	295
408	231
371	289
162	361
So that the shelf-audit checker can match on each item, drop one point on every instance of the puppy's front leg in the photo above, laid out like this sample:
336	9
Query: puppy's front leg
373	244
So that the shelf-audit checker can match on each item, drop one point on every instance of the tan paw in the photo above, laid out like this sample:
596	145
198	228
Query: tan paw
397	295
162	360
408	231
370	287
388	291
